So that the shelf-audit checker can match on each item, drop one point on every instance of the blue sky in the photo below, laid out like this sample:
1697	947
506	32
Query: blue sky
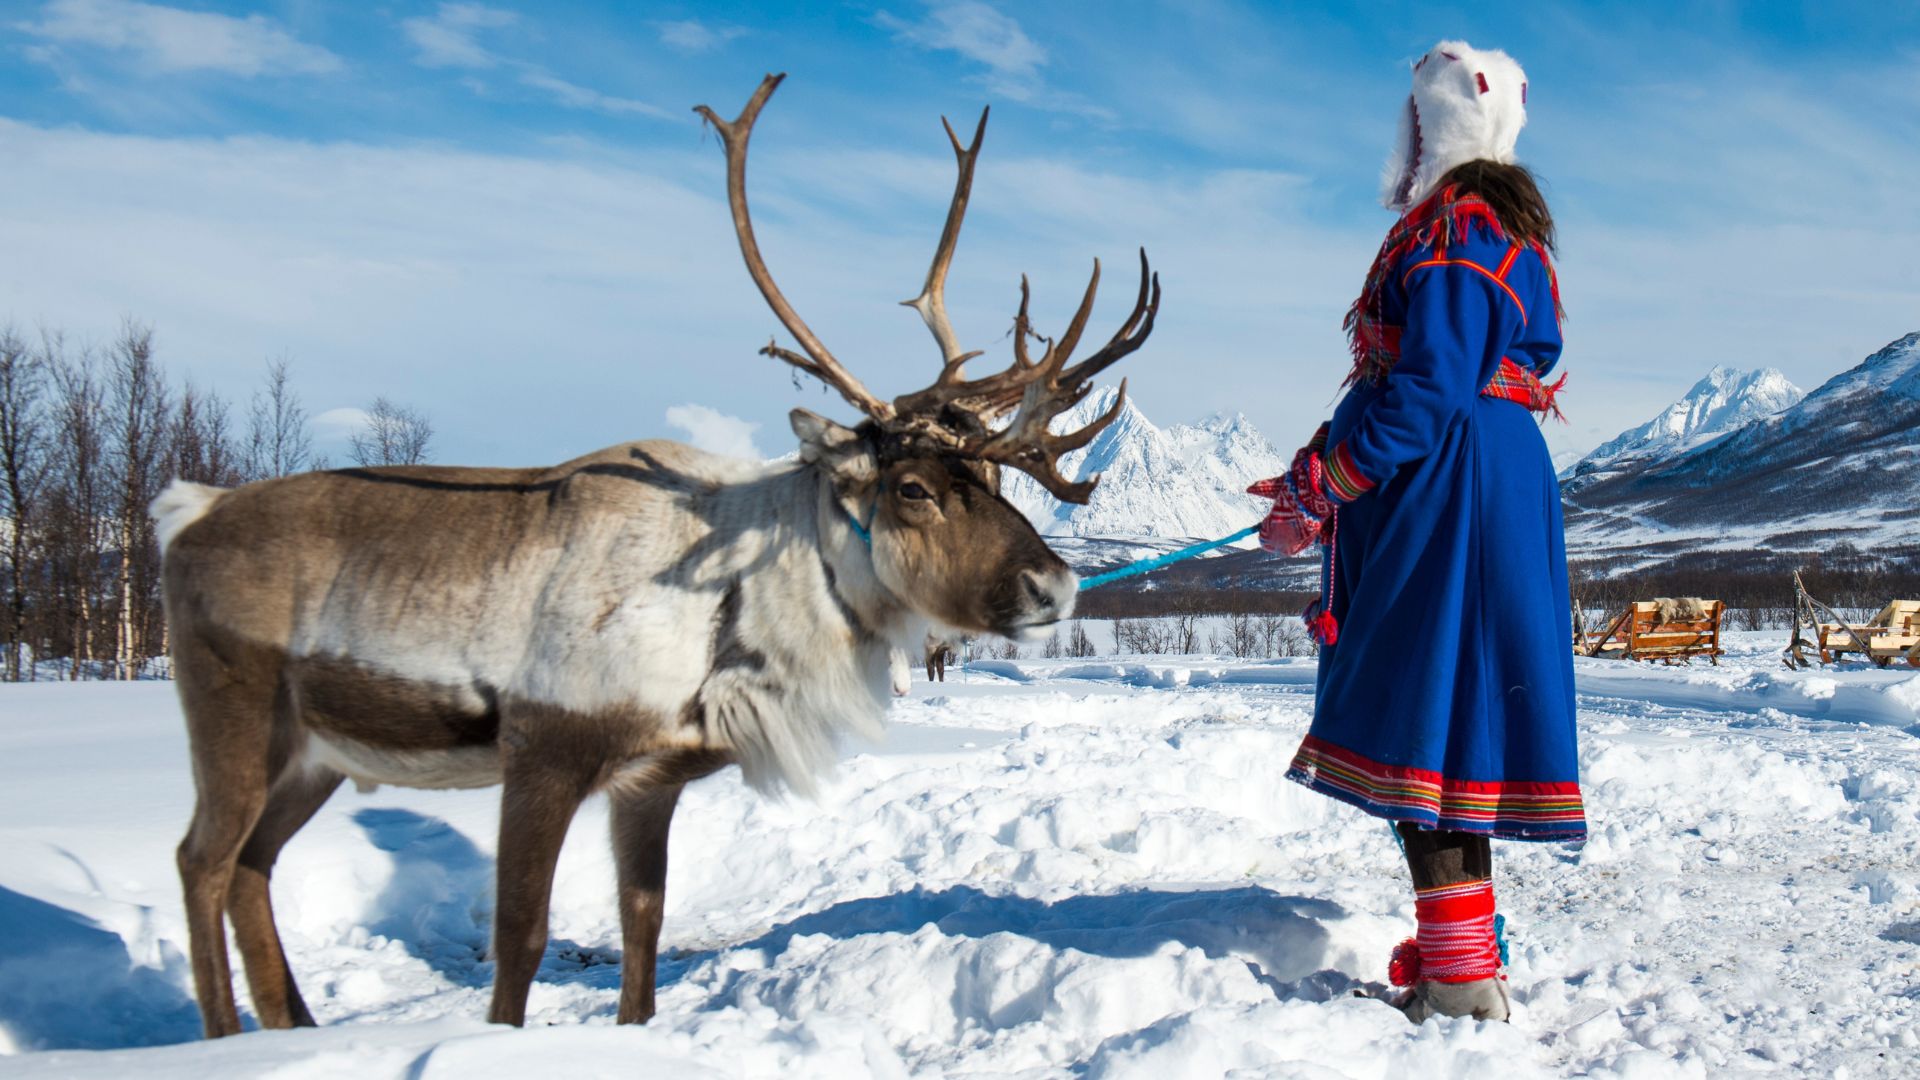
508	216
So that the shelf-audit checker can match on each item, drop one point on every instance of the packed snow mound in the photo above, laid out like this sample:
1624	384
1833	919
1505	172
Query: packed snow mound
1188	480
1727	399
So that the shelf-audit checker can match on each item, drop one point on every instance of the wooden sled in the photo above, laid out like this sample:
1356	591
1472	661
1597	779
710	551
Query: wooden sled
1641	632
1893	634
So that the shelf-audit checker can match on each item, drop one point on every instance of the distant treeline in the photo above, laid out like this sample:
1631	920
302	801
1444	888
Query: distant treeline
1756	586
88	436
1186	599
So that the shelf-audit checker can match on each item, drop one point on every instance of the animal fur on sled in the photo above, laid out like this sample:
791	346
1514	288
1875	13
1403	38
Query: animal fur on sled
1679	609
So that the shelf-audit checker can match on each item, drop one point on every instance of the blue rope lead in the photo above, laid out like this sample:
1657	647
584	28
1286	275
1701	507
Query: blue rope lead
1159	561
865	534
1141	567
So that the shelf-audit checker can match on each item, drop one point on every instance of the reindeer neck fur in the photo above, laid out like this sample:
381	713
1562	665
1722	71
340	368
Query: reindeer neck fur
800	650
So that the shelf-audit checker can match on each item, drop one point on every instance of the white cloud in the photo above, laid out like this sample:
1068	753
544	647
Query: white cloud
339	425
170	40
716	432
529	300
981	34
580	97
694	36
451	38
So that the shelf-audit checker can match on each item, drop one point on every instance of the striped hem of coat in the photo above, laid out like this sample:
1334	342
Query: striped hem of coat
1506	810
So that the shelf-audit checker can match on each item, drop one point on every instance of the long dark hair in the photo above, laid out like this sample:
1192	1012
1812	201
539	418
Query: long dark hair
1514	195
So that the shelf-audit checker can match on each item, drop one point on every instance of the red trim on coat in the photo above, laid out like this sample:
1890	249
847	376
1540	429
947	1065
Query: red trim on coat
1532	790
1508	289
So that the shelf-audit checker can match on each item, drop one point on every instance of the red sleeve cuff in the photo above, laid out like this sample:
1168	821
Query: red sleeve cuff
1343	479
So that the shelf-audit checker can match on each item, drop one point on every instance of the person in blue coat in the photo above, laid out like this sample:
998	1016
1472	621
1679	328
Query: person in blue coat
1445	695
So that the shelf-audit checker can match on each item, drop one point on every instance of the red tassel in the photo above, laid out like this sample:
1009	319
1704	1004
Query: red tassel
1323	626
1403	967
1552	392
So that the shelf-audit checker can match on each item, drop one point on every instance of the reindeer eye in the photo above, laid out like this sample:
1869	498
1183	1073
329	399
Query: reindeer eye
911	490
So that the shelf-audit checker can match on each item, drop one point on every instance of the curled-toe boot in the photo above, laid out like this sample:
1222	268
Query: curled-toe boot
1482	999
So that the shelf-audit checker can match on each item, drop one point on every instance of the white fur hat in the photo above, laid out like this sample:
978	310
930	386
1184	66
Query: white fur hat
1466	104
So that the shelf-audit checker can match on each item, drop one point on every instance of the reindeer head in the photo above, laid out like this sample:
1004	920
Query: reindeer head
924	467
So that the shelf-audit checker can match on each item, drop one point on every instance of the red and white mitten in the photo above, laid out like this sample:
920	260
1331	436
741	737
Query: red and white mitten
1300	504
1314	446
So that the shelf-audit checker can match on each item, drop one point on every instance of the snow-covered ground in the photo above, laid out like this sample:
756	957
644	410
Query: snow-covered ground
1054	868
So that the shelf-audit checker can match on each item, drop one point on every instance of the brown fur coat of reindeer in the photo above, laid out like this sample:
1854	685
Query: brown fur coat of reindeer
626	622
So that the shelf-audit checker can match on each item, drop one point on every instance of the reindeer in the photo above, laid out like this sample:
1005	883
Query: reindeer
939	652
626	622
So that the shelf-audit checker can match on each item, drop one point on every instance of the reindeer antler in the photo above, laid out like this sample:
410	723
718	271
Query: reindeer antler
932	301
818	362
956	415
1045	389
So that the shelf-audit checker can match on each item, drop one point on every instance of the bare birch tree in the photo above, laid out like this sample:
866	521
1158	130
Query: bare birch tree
136	446
1078	643
24	462
278	442
201	444
394	435
78	506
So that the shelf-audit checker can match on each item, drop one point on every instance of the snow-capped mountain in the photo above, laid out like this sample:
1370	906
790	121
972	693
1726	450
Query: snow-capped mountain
1177	482
1841	464
1727	399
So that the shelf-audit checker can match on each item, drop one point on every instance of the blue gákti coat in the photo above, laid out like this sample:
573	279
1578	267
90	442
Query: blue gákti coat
1447	699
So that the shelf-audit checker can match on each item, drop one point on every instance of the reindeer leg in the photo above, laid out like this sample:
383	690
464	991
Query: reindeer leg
641	818
297	794
542	792
230	729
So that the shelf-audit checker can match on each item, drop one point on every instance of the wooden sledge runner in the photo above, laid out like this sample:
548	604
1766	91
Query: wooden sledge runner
1893	634
1665	629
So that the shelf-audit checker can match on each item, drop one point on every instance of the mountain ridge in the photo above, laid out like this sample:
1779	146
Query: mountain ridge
1839	465
1185	481
1743	463
1726	400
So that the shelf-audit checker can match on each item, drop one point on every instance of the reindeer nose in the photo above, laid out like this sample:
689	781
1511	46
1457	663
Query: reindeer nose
1046	598
1037	593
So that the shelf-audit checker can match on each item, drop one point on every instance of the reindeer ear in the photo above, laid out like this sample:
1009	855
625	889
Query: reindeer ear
839	450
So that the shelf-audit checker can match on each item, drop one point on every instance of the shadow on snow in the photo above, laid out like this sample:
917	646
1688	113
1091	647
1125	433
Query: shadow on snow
438	904
1282	939
68	983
